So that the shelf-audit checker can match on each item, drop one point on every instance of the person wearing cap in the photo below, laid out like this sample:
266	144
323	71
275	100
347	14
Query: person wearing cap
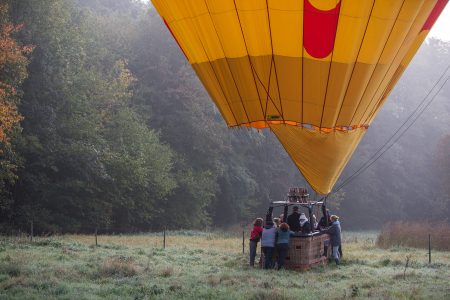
293	220
335	237
268	242
305	226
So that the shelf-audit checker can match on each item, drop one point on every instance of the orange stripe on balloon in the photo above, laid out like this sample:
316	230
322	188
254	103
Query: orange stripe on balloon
319	29
437	10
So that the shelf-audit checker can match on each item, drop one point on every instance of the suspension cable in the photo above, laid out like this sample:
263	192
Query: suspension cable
420	109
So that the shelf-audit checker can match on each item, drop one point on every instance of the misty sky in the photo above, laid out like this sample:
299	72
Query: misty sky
441	29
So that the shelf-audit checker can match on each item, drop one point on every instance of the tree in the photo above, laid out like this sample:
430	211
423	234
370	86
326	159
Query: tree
13	64
89	159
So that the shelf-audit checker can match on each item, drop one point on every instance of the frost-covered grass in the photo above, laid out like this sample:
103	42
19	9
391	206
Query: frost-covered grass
199	265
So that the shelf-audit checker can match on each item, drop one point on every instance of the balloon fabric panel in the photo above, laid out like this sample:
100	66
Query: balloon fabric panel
323	66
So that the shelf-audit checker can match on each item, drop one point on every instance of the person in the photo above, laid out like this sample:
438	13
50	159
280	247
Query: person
305	226
293	220
323	225
314	222
255	236
323	220
268	242
283	236
335	237
277	222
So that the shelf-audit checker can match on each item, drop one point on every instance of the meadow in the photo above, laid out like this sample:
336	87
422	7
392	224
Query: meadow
208	265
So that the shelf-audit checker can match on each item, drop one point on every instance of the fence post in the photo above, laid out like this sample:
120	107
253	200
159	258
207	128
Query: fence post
243	242
31	231
96	241
429	248
164	238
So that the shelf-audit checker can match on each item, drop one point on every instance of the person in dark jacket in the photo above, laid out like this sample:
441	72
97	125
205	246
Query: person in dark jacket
323	220
335	237
293	220
323	225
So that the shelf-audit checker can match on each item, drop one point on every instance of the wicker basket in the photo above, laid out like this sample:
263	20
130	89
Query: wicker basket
304	252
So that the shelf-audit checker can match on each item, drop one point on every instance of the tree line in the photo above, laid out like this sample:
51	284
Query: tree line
103	124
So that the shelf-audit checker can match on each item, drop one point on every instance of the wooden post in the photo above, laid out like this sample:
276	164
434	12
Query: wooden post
243	242
31	231
96	241
406	265
164	238
429	248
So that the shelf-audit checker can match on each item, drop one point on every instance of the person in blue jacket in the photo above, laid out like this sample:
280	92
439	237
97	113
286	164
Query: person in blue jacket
335	237
283	236
268	242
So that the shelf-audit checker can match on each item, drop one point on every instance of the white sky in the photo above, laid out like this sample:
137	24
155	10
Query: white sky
441	28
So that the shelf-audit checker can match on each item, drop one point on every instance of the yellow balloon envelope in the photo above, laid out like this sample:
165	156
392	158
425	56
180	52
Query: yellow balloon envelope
315	72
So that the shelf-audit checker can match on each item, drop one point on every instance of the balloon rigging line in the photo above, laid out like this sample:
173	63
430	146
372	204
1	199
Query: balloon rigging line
218	81
329	71
420	109
388	39
377	154
249	61
228	64
377	105
254	73
354	66
273	59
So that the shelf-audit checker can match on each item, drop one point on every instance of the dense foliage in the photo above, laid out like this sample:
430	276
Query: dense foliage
118	134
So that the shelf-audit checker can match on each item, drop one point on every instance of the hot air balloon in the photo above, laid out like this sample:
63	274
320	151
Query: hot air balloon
316	72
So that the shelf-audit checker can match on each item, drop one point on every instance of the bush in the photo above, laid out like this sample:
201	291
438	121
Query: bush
12	269
120	266
407	234
167	272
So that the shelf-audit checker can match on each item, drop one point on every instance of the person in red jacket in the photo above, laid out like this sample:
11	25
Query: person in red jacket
255	236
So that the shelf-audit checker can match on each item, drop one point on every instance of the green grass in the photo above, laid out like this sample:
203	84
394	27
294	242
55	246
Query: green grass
198	265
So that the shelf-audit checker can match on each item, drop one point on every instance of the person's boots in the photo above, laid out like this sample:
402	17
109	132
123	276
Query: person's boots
325	251
337	261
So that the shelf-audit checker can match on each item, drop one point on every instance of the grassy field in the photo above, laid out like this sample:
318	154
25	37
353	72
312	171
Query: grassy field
198	265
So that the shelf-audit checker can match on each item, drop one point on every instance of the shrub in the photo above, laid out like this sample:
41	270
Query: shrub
13	269
268	295
48	242
167	272
407	234
121	266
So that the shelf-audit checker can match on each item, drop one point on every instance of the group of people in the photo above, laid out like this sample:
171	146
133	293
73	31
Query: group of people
275	235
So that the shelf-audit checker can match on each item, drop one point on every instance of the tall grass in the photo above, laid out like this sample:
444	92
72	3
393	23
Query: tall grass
207	265
408	234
